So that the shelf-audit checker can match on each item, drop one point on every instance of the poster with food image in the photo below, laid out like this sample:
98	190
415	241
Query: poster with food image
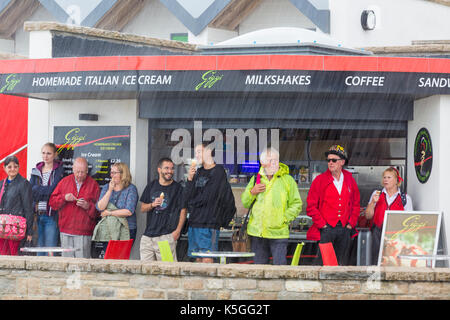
409	233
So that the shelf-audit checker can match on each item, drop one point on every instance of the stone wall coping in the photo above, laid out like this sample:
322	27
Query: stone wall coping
429	48
107	34
35	263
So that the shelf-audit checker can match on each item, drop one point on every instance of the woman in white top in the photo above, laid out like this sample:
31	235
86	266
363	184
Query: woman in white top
390	198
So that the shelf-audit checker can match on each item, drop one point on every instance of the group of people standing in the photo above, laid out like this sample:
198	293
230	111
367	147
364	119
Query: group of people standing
68	209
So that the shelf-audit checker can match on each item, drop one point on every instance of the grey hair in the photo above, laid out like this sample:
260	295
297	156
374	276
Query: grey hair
263	155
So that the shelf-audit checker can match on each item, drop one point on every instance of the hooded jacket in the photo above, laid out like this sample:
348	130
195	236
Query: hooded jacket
275	208
40	192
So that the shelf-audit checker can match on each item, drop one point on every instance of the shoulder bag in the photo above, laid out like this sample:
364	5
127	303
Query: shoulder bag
11	227
239	238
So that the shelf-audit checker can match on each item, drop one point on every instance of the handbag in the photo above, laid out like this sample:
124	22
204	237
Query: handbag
11	227
240	239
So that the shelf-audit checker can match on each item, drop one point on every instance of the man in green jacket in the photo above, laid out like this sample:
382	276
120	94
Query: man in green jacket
277	203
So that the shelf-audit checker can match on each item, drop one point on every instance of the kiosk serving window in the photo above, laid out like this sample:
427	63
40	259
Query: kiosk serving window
302	127
370	152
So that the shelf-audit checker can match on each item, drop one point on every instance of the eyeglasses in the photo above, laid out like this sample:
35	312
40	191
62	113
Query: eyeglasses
333	160
115	172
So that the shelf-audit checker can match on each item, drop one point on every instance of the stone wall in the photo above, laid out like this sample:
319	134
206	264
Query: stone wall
62	278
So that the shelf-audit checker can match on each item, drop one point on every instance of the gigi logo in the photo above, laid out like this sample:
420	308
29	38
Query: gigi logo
72	139
11	83
209	78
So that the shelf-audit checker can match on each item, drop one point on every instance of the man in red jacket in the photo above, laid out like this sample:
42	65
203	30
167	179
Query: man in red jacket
333	204
75	197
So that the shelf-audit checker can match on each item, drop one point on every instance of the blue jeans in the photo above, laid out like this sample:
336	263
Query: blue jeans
48	232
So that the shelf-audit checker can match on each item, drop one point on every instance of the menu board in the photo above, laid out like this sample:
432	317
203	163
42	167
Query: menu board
101	146
408	233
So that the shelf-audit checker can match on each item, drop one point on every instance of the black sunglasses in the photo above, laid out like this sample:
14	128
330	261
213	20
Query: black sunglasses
333	160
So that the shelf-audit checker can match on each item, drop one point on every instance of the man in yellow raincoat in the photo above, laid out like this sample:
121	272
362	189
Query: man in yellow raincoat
277	202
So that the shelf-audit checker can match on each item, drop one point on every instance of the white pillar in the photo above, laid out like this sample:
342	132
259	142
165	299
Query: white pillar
433	114
38	110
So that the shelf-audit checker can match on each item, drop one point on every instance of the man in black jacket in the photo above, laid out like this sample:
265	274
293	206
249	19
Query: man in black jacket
210	202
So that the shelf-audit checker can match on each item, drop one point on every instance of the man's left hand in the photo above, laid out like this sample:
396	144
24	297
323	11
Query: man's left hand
83	204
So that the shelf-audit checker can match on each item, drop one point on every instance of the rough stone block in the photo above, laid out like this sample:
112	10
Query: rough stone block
223	295
102	292
161	268
324	296
214	283
8	286
203	295
350	273
384	287
242	295
99	266
354	296
442	274
46	264
34	286
126	266
240	271
144	282
51	291
82	293
341	286
286	295
198	269
193	284
153	294
303	286
265	296
292	272
169	282
409	274
12	262
426	288
177	295
240	284
127	293
271	285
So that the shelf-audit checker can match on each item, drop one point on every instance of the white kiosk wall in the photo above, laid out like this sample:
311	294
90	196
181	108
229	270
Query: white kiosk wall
110	113
432	113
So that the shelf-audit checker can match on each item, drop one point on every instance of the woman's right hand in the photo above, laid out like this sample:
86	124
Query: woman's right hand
376	197
111	186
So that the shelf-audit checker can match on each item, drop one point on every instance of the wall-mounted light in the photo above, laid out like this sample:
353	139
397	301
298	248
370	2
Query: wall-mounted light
368	20
88	116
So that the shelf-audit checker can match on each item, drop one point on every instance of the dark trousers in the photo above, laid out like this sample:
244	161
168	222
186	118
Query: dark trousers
376	240
264	248
339	236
